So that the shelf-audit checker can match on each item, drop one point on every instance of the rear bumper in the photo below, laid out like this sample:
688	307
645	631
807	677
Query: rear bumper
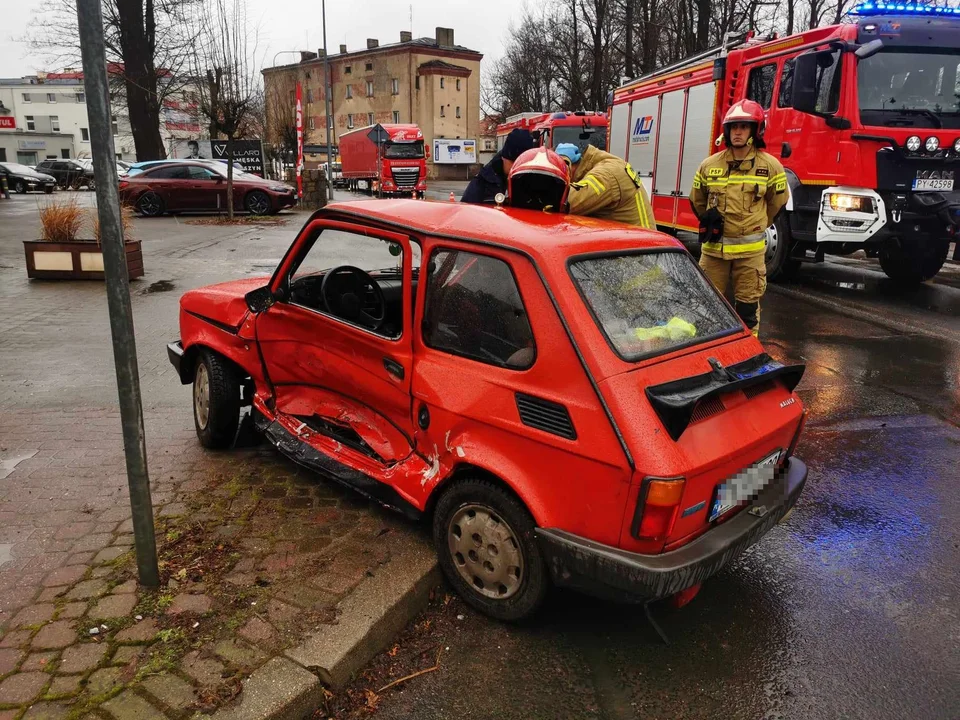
607	571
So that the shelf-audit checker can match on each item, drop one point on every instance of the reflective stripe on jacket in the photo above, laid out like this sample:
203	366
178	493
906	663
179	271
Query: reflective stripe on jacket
604	186
748	194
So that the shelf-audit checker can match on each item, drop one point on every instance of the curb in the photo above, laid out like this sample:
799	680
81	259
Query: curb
290	687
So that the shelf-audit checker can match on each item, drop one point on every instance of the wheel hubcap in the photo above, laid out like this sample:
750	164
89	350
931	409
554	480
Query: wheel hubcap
201	396
258	205
773	239
486	552
149	204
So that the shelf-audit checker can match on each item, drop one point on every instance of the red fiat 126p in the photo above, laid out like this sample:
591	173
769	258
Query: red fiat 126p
567	400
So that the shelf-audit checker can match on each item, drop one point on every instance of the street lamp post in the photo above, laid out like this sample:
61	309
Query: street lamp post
326	96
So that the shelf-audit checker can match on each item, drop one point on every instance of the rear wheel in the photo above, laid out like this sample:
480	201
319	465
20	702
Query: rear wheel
485	541
150	204
780	266
918	264
216	401
257	203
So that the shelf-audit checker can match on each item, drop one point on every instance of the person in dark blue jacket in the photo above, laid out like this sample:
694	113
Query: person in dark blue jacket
492	178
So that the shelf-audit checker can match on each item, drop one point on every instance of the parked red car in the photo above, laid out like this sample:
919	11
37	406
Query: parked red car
198	186
565	399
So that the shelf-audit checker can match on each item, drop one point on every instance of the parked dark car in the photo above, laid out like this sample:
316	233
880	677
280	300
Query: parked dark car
68	173
185	187
21	178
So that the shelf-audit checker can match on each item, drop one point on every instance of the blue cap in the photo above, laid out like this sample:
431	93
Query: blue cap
569	151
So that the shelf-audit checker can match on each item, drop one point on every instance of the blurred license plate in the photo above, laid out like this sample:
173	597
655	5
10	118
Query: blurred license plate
933	185
744	485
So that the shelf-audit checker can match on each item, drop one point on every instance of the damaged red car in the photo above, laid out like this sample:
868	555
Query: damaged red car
565	401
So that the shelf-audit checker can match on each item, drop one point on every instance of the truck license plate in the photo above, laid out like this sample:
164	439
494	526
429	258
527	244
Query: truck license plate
927	184
744	485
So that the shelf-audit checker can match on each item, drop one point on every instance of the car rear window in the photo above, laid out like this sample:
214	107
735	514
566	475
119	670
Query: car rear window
650	303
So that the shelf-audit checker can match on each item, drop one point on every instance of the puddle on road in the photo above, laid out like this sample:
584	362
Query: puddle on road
263	267
5	555
158	287
8	462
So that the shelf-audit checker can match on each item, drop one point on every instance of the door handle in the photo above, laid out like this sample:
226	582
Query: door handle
393	367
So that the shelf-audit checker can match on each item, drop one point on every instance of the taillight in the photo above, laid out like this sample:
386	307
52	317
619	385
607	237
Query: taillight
658	504
123	184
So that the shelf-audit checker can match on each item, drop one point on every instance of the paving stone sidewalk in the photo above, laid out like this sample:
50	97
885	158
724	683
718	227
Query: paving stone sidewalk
255	553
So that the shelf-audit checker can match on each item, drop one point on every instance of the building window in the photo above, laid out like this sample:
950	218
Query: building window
55	123
51	97
346	70
311	123
64	154
85	134
26	97
350	120
395	86
442	112
81	97
396	116
417	82
310	95
458	111
3	154
349	91
369	67
113	125
31	125
369	118
458	83
369	88
441	83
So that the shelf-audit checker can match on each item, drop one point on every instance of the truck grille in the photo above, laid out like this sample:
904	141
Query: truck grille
406	177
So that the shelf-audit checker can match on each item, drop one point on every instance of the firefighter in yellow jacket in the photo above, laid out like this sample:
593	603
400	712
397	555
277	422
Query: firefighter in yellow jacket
736	195
604	186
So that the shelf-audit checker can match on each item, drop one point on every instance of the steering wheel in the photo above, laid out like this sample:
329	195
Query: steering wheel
343	294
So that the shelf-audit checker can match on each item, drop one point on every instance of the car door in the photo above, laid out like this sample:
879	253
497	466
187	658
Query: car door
340	381
204	189
171	182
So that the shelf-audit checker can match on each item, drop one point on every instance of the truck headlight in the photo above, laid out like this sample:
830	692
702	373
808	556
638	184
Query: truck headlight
842	202
913	143
956	146
932	144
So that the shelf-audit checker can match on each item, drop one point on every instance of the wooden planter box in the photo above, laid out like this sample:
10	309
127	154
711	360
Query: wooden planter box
75	260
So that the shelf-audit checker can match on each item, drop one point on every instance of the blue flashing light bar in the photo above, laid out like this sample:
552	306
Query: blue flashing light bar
895	8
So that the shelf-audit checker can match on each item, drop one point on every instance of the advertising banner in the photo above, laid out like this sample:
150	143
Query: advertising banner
455	152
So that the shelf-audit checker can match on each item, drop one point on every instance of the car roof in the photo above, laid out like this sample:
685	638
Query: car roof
544	236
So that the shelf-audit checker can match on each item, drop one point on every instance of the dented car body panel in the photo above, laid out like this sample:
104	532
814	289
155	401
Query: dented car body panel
526	387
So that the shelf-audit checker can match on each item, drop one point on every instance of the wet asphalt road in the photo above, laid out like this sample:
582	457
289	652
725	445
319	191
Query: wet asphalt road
849	609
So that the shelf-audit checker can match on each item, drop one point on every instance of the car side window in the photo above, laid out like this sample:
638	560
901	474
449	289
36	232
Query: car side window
200	173
760	84
828	82
168	173
474	309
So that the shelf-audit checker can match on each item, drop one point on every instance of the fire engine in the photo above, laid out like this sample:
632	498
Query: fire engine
581	128
864	116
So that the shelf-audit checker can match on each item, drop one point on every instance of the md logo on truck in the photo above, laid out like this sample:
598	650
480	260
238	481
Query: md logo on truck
642	130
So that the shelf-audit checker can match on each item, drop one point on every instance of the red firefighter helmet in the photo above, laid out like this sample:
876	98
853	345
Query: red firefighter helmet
538	180
746	111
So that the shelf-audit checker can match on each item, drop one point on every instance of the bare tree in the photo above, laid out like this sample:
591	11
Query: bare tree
280	127
148	45
224	65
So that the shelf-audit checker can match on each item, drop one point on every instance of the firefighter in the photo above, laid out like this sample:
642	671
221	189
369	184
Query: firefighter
736	195
492	178
604	186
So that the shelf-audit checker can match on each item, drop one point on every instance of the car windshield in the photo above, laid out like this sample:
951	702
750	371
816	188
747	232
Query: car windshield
403	150
649	303
581	136
18	168
910	87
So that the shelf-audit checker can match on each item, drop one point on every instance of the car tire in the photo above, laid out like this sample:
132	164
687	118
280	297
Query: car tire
258	203
485	543
20	187
216	401
913	268
150	204
48	190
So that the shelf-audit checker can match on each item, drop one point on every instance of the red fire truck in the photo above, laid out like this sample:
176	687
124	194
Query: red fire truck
395	165
864	116
551	129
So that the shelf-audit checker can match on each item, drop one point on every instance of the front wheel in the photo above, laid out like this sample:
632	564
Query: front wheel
216	401
257	203
915	265
780	266
20	187
485	541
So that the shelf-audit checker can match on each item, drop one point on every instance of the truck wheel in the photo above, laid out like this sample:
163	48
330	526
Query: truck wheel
216	401
780	266
916	265
486	546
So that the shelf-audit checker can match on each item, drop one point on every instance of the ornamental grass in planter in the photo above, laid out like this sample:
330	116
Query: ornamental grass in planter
62	254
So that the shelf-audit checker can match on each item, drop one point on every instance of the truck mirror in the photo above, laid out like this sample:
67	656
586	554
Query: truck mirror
871	48
805	83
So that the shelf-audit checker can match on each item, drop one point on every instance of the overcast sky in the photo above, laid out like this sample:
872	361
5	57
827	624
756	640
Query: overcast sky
297	25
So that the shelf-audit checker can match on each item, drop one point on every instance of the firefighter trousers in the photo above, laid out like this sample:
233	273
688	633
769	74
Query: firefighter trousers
749	276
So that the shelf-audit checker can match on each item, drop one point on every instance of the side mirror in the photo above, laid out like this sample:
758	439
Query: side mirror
871	48
259	300
805	83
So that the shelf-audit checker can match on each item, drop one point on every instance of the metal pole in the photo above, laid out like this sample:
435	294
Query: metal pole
326	97
118	287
